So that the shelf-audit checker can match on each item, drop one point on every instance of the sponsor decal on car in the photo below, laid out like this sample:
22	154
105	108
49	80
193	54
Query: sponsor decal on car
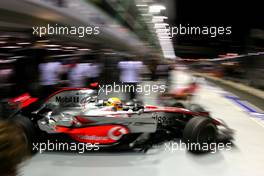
116	133
105	134
93	137
68	99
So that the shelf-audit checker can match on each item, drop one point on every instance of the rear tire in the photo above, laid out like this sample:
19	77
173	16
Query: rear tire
199	133
29	130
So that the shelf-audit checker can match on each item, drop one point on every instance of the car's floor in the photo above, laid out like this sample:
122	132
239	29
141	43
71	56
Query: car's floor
245	158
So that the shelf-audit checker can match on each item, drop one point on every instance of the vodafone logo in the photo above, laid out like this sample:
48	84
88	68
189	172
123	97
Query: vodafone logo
102	134
117	132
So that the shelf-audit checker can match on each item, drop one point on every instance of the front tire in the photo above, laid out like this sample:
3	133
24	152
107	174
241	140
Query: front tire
199	133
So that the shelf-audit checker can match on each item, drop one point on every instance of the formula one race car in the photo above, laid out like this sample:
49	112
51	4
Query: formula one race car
78	115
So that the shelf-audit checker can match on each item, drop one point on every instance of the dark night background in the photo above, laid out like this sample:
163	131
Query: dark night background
242	16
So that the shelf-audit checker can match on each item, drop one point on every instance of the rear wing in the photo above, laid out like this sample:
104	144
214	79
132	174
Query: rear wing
12	105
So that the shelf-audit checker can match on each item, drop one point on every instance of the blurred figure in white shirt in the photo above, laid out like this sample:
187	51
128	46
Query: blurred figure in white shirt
49	75
94	74
130	75
95	71
78	74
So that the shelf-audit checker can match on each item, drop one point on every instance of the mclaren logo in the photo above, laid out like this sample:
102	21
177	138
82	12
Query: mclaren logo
116	133
69	99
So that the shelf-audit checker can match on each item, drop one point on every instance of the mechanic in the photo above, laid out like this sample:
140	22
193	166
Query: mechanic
95	71
49	75
130	75
79	74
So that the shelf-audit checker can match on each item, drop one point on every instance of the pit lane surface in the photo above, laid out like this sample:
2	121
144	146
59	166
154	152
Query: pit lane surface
244	159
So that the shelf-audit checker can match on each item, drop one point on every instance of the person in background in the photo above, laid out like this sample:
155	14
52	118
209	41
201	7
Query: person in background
164	70
130	75
26	68
94	73
79	73
49	75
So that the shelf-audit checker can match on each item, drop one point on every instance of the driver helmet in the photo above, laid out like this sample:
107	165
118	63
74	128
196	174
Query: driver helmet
115	102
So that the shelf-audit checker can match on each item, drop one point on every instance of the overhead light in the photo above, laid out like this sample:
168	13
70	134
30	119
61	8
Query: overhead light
231	54
24	43
11	47
70	47
84	49
43	41
156	20
156	8
162	30
164	40
7	61
165	37
5	36
160	25
141	5
163	34
52	45
160	17
54	49
146	14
